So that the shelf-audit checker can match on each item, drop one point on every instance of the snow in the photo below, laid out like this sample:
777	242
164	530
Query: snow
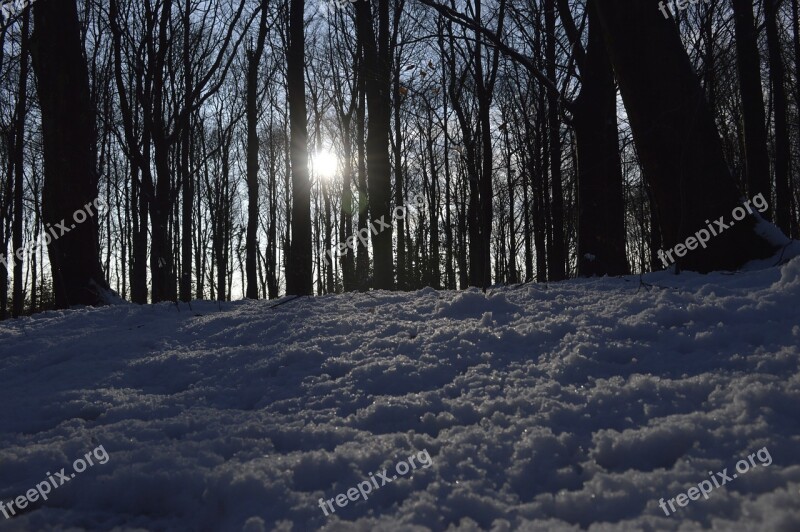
543	407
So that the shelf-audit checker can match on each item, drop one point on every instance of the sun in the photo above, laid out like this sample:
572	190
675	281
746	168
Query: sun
325	164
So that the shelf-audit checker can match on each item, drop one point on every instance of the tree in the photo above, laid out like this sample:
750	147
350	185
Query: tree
601	209
556	258
251	242
69	146
19	166
755	129
777	70
299	273
377	62
676	135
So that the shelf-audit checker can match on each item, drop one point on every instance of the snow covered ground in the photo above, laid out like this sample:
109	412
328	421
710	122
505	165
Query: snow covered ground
542	407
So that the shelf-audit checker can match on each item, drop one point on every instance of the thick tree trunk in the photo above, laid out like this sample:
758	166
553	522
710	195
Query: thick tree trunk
796	41
755	129
162	259
676	136
484	90
777	70
299	275
601	206
377	61
5	198
69	143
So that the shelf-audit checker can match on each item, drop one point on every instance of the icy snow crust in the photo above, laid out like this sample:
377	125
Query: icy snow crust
544	407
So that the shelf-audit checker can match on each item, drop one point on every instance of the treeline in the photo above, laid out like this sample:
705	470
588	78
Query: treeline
549	139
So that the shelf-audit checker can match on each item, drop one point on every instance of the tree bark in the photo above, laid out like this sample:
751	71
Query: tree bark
601	205
557	255
69	143
676	136
19	168
755	130
362	258
187	179
299	276
377	61
777	70
251	239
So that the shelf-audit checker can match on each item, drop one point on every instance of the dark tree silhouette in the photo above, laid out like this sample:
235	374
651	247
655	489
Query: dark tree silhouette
70	156
676	137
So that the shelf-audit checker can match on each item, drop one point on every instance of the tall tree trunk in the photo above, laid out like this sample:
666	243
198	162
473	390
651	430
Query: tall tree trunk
272	266
140	162
162	259
362	258
328	226
347	210
19	168
402	276
70	154
539	173
377	59
485	192
450	274
557	254
434	275
601	206
676	136
5	198
139	209
755	129
299	276
796	40
709	70
187	179
37	221
777	70
251	239
526	219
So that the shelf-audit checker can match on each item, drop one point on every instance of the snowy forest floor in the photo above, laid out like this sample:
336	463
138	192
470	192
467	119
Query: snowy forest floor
543	407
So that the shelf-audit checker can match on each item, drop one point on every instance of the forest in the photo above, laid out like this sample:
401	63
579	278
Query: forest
229	145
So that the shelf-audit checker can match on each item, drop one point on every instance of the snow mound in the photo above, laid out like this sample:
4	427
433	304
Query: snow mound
567	406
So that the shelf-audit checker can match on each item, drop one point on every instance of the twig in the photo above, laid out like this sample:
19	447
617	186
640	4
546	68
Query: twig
284	302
